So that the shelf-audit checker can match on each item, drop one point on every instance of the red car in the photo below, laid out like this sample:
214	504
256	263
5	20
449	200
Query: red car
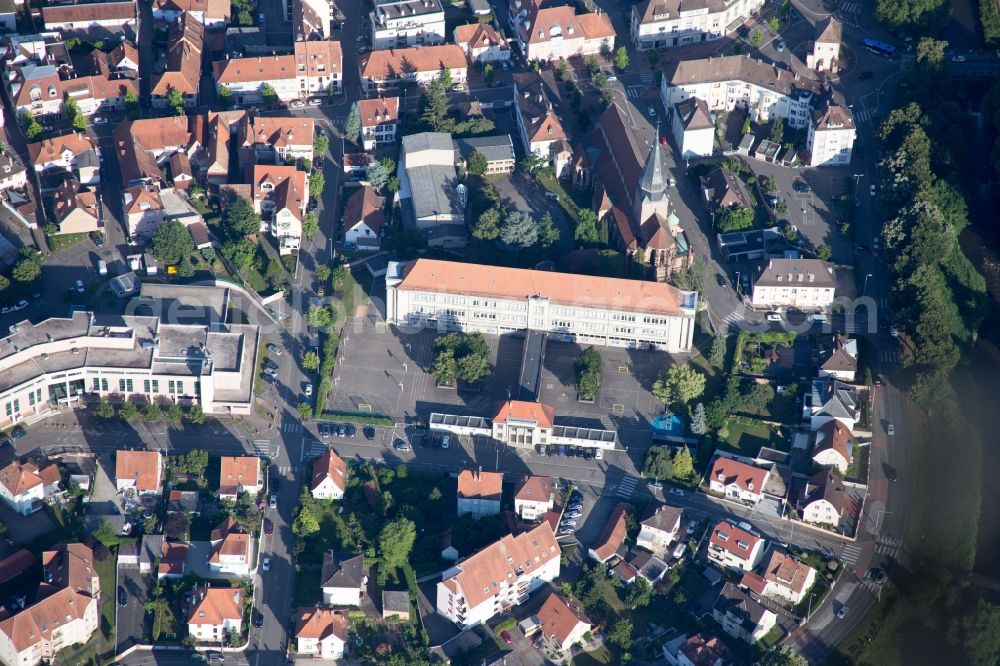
268	527
506	638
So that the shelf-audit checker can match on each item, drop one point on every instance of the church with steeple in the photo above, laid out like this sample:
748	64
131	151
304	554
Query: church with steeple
632	192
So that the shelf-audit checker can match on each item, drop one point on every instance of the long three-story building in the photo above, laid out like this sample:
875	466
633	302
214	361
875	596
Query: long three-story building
658	24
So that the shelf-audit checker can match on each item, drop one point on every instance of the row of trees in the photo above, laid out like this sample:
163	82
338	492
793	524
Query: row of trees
588	373
514	229
151	411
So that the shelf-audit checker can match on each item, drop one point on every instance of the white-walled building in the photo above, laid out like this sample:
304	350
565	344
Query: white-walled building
658	24
725	83
379	120
329	477
498	577
479	493
321	633
534	496
141	470
588	310
319	67
25	486
232	549
804	284
364	219
838	358
562	624
98	19
389	67
212	13
343	579
281	195
660	530
741	616
13	175
314	69
69	151
552	33
825	56
733	547
737	480
693	128
538	120
823	500
784	577
399	23
830	141
482	43
312	19
216	612
239	474
833	446
829	399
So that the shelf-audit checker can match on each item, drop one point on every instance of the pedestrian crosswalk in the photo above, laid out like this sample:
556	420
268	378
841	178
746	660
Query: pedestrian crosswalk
291	426
627	485
647	77
850	7
633	91
265	448
865	114
315	449
889	546
889	356
849	555
284	469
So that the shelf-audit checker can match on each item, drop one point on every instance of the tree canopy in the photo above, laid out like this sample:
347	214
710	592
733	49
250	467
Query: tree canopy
396	541
679	384
461	356
240	219
588	373
733	218
172	242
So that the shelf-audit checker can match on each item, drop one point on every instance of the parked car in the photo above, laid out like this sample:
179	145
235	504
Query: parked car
551	450
324	430
599	454
266	566
273	502
401	445
871	190
341	430
97	238
800	186
274	349
506	637
552	195
890	430
100	120
79	286
877	576
541	450
891	475
842	611
566	530
893	331
569	522
258	619
692	526
369	432
773	316
572	514
576	506
676	491
268	527
308	390
297	104
679	551
562	449
272	372
779	47
122	598
315	101
445	441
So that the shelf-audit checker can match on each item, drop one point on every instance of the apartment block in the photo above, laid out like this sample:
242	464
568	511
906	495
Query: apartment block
830	141
658	24
805	284
401	23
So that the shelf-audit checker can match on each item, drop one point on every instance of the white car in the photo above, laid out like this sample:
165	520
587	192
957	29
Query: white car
651	111
679	551
298	104
676	491
273	502
267	564
100	121
308	390
20	305
315	101
773	316
871	190
891	430
599	454
445	441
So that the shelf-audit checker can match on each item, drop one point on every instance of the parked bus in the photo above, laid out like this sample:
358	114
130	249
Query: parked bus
879	48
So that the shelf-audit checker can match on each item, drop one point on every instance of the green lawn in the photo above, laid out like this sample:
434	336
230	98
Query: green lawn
61	242
106	572
599	657
747	436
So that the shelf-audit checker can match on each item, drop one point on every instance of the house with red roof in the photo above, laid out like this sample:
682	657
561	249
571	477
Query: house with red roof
737	481
613	535
25	486
534	496
733	547
479	492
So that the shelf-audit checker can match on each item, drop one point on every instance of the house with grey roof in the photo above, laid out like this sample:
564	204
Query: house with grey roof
830	399
740	616
838	358
343	579
693	128
660	529
823	499
804	284
431	197
498	151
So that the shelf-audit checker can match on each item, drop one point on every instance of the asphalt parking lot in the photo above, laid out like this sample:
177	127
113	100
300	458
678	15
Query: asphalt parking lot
130	617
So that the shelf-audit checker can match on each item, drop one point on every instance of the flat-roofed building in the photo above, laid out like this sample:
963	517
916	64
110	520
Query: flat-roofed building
429	190
397	23
453	296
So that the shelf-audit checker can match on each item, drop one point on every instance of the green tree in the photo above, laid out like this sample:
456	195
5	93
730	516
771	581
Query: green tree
773	23
777	129
240	253
621	59
107	534
321	144
352	124
310	361
586	226
268	94
548	233
128	412
977	634
435	108
131	104
683	464
477	163
910	15
174	413
378	176
824	252
28	266
518	230
474	359
177	525
679	384
310	225
240	219
395	542
640	593
658	464
782	656
534	164
717	354
305	411
322	273
196	415
4	282
316	183
620	634
592	67
699	420
32	128
175	100
172	242
339	275
756	37
305	523
445	367
745	128
733	218
79	122
225	96
487	227
159	608
589	369
151	412
488	73
756	397
320	316
105	410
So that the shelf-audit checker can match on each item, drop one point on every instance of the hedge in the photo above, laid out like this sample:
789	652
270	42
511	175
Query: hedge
989	15
360	417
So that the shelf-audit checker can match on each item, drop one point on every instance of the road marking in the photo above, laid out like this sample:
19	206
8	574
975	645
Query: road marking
850	7
291	427
365	408
626	486
647	77
623	368
632	92
850	554
889	356
618	409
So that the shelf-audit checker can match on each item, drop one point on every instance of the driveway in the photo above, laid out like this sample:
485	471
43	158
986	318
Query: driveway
23	529
130	618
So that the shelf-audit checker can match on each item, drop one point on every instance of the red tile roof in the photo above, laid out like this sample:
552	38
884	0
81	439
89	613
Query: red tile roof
613	535
733	539
477	484
728	471
558	618
521	410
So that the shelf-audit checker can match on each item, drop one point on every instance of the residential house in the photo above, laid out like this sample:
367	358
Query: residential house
632	190
321	633
830	141
319	66
498	151
13	175
144	145
563	625
143	210
64	613
211	13
186	43
172	561
699	650
91	20
364	219
498	577
737	481
123	59
428	189
356	165
733	547
183	501
693	127
724	189
534	496
25	486
613	535
830	399
396	23
396	604
276	140
215	613
740	616
232	549
784	577
823	499
38	89
838	358
482	43
343	579
181	173
99	94
658	24
660	529
825	56
68	152
763	90
75	208
537	116
803	284
388	68
479	492
553	33
313	19
379	120
281	196
329	477
245	78
833	446
239	474
141	470
647	566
